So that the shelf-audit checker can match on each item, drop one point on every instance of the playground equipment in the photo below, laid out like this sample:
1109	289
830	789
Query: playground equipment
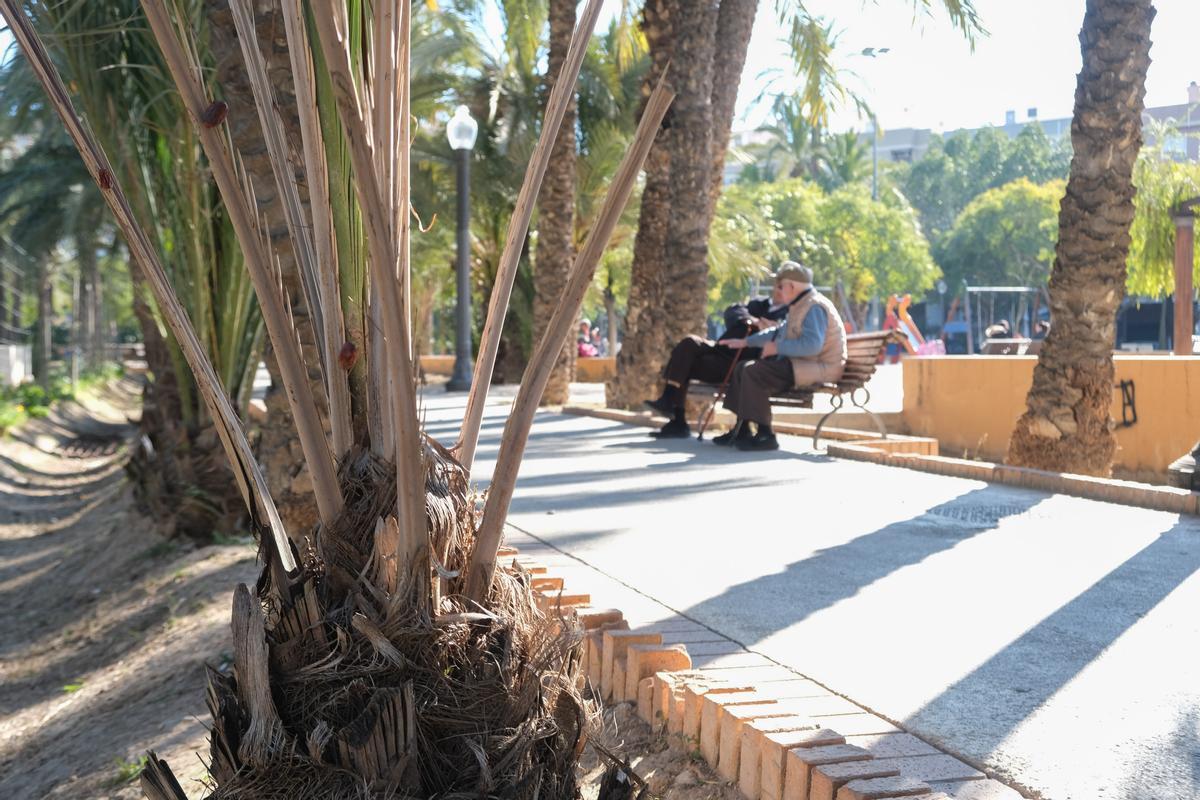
986	306
897	318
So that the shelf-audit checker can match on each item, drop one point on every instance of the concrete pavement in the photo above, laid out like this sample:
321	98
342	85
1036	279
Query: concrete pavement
1049	640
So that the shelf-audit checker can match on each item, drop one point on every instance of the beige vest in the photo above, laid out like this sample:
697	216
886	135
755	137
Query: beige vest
826	366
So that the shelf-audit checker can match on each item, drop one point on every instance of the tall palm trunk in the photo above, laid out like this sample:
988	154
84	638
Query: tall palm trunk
89	280
648	332
706	44
1067	426
42	328
278	447
735	24
556	211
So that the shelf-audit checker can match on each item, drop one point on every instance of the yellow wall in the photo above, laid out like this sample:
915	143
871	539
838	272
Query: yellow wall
595	370
970	403
437	365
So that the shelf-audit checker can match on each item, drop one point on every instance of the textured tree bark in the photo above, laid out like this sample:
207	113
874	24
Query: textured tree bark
645	346
1067	426
42	335
89	279
279	448
556	212
706	44
735	23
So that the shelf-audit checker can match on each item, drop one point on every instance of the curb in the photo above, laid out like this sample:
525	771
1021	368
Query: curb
1130	493
921	453
763	728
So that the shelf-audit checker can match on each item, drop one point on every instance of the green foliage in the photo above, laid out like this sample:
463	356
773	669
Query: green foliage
1005	236
1162	184
956	170
869	247
128	769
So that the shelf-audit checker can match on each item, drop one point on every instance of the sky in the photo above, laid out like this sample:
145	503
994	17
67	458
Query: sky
931	79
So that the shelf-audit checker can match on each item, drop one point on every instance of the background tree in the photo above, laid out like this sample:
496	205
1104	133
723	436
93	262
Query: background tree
1162	183
123	88
1067	426
957	169
1004	237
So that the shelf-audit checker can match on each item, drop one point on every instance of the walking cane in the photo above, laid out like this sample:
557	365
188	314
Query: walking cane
707	417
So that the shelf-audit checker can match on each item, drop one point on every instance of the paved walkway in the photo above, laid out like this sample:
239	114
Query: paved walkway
1051	641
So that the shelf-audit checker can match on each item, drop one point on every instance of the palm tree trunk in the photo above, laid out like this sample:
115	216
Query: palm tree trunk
85	248
42	338
705	43
647	331
610	311
556	212
278	450
735	23
1067	426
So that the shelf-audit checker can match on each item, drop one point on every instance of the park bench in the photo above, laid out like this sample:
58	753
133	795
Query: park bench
863	354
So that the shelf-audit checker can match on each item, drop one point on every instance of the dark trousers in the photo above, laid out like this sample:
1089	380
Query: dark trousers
696	359
752	385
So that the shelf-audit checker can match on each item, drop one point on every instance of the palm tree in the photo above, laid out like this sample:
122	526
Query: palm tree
847	159
128	98
797	146
384	651
1067	426
556	207
706	46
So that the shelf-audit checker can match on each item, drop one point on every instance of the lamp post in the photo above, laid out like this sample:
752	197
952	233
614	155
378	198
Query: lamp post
874	52
461	131
874	157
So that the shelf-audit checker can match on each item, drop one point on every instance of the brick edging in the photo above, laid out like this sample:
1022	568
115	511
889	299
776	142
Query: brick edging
768	730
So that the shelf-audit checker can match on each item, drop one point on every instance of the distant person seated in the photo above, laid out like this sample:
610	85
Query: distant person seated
599	343
1001	330
583	342
699	359
1041	330
809	347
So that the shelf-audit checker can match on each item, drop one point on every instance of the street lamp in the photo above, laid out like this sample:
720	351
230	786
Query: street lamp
461	131
874	52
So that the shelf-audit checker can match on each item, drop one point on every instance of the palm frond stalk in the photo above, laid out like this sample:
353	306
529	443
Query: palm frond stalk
383	654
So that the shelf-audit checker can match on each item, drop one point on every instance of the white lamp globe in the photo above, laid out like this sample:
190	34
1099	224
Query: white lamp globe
462	129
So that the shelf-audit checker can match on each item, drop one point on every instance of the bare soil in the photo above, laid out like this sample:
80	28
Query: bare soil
105	626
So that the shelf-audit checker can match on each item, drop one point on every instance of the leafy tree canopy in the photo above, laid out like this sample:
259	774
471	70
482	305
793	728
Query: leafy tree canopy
870	247
1005	236
957	169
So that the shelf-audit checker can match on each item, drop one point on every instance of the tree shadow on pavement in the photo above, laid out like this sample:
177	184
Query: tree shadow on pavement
1025	674
770	603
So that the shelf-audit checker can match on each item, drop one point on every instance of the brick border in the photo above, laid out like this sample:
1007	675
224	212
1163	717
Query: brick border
766	729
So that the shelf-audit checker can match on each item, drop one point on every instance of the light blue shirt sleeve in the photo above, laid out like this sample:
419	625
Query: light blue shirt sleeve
763	336
811	338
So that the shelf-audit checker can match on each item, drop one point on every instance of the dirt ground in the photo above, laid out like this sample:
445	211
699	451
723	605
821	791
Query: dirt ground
105	626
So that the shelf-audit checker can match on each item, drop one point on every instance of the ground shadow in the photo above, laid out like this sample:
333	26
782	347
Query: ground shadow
1026	673
770	603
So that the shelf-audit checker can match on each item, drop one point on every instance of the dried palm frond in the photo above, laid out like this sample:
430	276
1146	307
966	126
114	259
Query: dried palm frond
391	659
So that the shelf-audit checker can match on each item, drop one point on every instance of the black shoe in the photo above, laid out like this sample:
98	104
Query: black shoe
738	433
661	405
675	429
759	441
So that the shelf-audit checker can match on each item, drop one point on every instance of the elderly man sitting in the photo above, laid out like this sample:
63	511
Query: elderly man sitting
808	347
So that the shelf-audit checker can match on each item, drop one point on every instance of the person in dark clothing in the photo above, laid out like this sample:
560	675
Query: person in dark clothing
697	359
